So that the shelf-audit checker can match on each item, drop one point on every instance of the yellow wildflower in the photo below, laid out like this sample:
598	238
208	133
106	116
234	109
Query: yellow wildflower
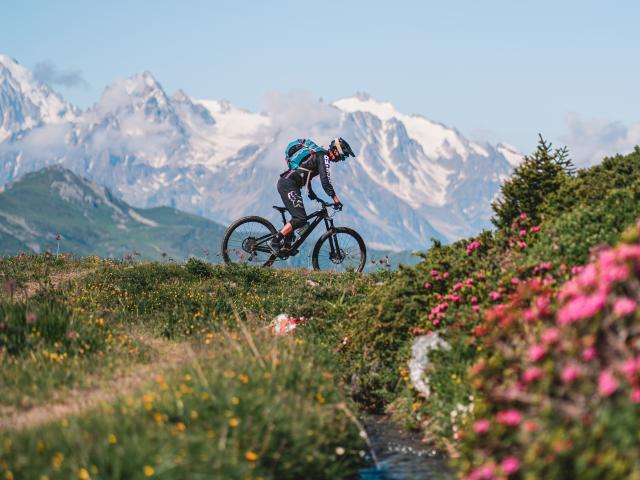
148	470
235	400
112	439
243	378
234	422
83	474
56	461
251	456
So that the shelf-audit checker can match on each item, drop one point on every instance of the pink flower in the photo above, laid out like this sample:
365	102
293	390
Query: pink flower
523	216
536	352
535	228
480	276
427	285
434	273
635	395
485	472
523	233
522	245
481	426
445	275
436	321
630	368
576	269
532	374
550	335
510	465
472	246
515	281
494	295
589	354
476	308
570	373
624	306
607	383
581	307
473	299
511	418
542	304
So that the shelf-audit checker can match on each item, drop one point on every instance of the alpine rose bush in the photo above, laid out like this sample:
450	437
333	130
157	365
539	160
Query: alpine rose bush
558	393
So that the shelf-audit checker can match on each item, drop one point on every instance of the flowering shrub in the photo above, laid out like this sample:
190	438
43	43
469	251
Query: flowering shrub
559	392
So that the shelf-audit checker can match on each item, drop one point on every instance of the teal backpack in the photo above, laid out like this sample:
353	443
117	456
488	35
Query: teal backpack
298	151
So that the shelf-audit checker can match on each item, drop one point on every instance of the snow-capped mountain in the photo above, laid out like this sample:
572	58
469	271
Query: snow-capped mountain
412	178
26	103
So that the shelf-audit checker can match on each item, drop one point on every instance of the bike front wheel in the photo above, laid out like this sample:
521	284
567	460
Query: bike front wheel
340	250
246	241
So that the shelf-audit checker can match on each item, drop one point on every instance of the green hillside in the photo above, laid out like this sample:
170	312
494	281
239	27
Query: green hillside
91	221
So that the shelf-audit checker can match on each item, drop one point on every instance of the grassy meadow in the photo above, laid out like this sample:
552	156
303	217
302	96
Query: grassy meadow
135	369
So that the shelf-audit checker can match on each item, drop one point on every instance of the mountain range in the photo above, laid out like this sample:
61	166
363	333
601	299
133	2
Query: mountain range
54	209
412	178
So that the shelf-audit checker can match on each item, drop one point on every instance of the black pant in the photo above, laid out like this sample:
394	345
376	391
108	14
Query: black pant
292	199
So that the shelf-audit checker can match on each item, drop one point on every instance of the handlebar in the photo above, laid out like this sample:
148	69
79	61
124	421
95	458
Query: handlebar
326	204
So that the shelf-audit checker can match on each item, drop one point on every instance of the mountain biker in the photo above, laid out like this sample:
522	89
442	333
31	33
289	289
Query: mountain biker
292	180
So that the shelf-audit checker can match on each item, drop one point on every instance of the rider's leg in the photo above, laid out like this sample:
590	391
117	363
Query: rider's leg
292	199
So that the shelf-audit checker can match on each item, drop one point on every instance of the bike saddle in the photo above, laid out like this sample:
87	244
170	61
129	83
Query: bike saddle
280	209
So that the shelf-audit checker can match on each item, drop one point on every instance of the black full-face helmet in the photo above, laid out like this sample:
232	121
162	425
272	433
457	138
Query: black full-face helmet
342	148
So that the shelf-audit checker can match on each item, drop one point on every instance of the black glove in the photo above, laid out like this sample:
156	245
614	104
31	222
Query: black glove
337	206
312	195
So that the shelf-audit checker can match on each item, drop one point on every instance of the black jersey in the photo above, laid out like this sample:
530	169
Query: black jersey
315	164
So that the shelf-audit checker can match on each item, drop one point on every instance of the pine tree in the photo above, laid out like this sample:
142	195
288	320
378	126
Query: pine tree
532	181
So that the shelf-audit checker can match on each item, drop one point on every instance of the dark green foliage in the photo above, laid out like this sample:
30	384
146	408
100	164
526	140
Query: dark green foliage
569	237
199	268
533	181
592	185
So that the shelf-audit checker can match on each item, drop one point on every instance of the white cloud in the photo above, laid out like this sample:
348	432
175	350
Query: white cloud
47	72
590	140
298	114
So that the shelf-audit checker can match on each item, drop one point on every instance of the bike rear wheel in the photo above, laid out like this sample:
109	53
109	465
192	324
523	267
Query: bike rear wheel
246	242
340	250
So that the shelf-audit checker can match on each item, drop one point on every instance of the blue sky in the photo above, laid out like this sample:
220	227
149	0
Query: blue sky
496	70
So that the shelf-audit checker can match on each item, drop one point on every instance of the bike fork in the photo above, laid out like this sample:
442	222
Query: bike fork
333	240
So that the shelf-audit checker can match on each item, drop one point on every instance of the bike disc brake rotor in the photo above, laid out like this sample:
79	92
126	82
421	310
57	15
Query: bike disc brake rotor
338	257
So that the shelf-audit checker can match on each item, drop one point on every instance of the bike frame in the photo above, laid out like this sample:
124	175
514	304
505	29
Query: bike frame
319	216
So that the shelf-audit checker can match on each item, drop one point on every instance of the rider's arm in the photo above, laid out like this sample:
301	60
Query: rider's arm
325	178
312	195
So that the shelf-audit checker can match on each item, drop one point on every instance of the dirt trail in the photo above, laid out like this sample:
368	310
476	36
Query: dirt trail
55	280
170	355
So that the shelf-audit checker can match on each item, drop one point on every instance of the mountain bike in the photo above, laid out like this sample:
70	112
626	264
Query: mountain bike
338	249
